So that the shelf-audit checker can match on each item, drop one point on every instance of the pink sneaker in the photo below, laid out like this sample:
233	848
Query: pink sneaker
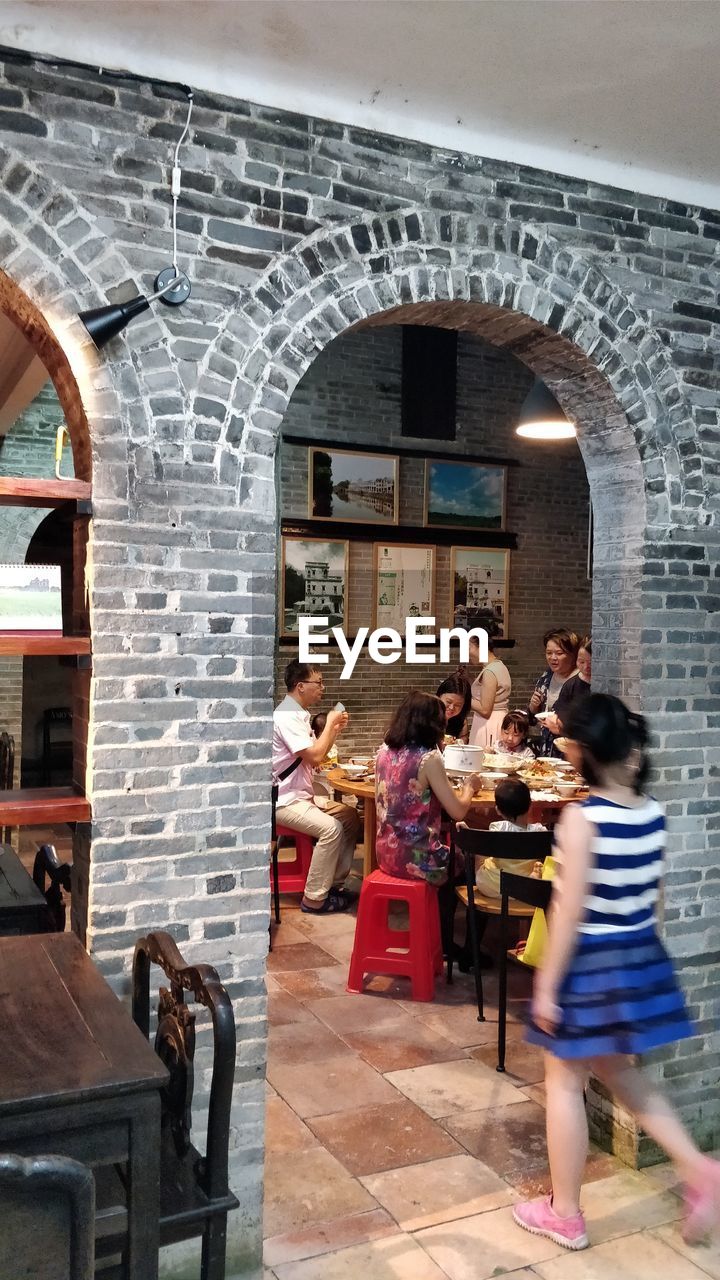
539	1217
702	1206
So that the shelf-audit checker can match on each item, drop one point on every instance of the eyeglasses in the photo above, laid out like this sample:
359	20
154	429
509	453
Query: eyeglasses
321	683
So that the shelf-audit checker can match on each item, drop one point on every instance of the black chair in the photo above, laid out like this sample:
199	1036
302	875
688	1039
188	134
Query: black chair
7	775
48	1218
533	893
52	876
517	846
195	1198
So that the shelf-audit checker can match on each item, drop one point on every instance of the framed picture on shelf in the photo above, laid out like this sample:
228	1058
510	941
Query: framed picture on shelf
480	580
313	581
404	584
31	598
358	487
464	495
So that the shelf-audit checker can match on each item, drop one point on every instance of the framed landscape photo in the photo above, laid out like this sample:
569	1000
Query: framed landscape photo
404	584
313	582
464	495
480	587
31	598
358	487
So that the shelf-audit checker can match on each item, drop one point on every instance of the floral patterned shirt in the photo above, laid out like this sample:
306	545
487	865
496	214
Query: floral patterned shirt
408	818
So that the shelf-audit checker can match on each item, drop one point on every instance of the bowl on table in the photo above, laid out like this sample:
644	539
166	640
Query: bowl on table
353	770
566	787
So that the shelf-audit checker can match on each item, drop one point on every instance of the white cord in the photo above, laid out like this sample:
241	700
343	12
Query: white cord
175	181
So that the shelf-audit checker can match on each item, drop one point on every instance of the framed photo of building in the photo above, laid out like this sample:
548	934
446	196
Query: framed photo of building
480	587
346	485
313	582
404	584
464	495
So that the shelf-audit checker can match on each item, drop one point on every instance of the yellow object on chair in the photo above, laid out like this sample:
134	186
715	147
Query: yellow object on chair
537	937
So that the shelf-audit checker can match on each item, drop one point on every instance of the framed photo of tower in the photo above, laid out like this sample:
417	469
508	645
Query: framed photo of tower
480	578
464	495
313	582
358	487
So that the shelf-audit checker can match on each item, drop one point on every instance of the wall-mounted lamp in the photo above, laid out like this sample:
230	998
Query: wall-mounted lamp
171	287
541	417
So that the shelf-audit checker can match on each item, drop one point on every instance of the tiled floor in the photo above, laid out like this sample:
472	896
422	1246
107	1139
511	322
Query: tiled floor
394	1149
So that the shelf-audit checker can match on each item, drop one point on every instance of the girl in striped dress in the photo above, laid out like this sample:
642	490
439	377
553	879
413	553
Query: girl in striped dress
606	989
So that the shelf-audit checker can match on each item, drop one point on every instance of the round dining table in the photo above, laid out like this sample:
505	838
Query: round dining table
482	810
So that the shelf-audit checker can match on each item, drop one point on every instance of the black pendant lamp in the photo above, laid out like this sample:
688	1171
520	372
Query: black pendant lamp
541	417
171	287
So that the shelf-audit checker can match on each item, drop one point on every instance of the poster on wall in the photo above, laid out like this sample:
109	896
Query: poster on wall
30	598
480	586
359	487
313	582
404	584
464	495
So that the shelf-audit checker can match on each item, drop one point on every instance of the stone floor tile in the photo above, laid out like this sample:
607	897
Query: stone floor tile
664	1175
341	1233
304	955
523	1062
284	1009
535	1181
311	1187
397	1257
335	1084
313	984
448	1088
510	1140
303	1042
352	1012
287	935
634	1257
423	1195
396	1048
484	1245
626	1202
284	1130
371	1139
705	1256
459	1024
339	945
536	1093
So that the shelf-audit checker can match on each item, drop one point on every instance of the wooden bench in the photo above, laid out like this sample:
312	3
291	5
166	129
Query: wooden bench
194	1195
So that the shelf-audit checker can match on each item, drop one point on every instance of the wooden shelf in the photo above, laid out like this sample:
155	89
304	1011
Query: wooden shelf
27	491
31	806
35	644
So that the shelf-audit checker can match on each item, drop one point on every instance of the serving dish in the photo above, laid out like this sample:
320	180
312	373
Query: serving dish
460	758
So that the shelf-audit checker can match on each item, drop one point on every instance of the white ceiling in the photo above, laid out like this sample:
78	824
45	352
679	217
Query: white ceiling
625	92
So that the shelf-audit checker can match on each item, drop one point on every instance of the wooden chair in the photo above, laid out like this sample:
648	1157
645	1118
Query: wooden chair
194	1195
7	775
52	876
518	846
531	893
48	1218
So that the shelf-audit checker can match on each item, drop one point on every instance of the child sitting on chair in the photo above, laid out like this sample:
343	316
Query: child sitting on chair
512	802
513	737
317	725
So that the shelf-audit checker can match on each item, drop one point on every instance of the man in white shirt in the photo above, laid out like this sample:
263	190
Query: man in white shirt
336	827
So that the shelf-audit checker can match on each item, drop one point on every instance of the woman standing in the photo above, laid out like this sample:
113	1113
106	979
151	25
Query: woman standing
561	648
574	691
490	692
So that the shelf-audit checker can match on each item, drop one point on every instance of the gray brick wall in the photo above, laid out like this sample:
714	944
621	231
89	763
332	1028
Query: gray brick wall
293	230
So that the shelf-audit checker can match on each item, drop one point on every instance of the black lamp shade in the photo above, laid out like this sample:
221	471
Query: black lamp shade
105	323
540	405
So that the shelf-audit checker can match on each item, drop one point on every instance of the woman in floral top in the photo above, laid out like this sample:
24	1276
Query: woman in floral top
412	790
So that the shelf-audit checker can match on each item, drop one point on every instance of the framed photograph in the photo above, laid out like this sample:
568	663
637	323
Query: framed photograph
31	598
313	581
358	487
404	584
480	587
464	495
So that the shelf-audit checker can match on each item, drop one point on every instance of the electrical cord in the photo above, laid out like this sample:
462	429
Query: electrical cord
175	184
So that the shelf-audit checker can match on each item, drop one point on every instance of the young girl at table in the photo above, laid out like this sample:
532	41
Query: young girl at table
512	801
606	989
513	738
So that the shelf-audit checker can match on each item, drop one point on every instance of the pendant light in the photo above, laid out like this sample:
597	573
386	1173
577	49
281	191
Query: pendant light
541	417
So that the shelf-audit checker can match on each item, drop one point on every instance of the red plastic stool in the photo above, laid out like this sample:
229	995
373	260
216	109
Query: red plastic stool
415	953
292	875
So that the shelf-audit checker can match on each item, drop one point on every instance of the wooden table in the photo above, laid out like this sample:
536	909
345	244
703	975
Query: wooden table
482	810
77	1077
23	908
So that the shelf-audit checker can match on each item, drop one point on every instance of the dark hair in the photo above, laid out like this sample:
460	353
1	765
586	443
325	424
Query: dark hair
318	722
606	732
586	644
568	641
459	684
418	722
517	720
512	798
296	672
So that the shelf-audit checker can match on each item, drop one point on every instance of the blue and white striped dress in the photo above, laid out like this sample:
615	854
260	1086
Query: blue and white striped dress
620	994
